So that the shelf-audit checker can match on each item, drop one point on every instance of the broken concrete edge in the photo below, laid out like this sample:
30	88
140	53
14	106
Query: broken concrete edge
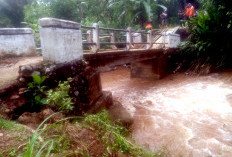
86	91
15	31
51	70
26	72
58	23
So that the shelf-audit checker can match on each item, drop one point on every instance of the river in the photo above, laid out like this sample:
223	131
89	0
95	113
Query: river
181	114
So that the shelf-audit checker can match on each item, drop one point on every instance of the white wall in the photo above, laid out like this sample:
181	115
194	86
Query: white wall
16	42
173	40
61	40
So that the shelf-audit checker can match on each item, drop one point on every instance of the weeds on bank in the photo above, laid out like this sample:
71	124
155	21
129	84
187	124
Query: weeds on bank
59	97
6	124
54	144
114	136
9	125
110	132
55	141
37	89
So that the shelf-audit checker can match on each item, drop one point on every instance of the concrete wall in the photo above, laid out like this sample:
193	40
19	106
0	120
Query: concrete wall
173	40
16	42
61	40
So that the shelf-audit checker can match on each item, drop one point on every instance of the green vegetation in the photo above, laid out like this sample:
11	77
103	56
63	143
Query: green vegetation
12	12
59	98
33	141
110	13
114	135
63	138
13	136
6	124
37	90
210	39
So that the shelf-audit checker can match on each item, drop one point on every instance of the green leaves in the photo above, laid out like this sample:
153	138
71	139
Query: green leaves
38	80
210	37
37	90
59	98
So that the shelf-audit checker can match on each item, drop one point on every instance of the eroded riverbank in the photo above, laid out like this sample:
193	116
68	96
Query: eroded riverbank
188	115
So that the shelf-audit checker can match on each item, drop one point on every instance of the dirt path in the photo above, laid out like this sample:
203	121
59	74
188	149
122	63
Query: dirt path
9	68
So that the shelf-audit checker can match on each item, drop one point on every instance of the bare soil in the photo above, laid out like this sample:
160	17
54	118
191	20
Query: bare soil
9	68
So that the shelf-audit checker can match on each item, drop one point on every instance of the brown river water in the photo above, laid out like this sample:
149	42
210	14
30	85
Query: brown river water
185	115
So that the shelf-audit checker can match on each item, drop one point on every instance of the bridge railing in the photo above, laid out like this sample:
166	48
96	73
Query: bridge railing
130	39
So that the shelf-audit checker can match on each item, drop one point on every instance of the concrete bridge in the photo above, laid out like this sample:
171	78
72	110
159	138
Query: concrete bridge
66	48
65	41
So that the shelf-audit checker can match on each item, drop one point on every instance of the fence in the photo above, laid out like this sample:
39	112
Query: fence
92	37
95	38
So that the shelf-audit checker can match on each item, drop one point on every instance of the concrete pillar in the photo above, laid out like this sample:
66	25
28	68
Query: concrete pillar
16	42
173	40
61	40
156	68
137	38
112	40
129	38
96	38
149	39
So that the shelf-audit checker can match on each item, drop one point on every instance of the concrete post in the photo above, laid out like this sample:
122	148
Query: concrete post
129	38
137	38
172	40
96	38
61	40
112	40
89	36
164	39
149	39
90	39
16	42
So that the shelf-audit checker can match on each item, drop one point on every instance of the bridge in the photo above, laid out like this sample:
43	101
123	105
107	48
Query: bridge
64	41
107	47
67	46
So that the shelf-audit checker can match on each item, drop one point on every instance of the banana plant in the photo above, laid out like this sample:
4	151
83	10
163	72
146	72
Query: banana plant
147	4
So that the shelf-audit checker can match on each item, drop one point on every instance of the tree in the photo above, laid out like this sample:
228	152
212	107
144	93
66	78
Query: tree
211	34
12	11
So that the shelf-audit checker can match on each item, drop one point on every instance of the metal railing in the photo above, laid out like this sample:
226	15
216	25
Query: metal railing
92	37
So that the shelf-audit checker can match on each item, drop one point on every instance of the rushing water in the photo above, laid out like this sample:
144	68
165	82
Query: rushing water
186	115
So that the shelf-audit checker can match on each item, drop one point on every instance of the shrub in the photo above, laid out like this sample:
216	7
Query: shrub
59	97
211	34
114	136
36	89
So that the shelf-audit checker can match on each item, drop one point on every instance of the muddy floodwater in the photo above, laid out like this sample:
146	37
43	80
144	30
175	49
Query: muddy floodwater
186	115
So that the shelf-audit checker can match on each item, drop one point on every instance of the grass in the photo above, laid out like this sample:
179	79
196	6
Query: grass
115	136
84	136
9	125
13	137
